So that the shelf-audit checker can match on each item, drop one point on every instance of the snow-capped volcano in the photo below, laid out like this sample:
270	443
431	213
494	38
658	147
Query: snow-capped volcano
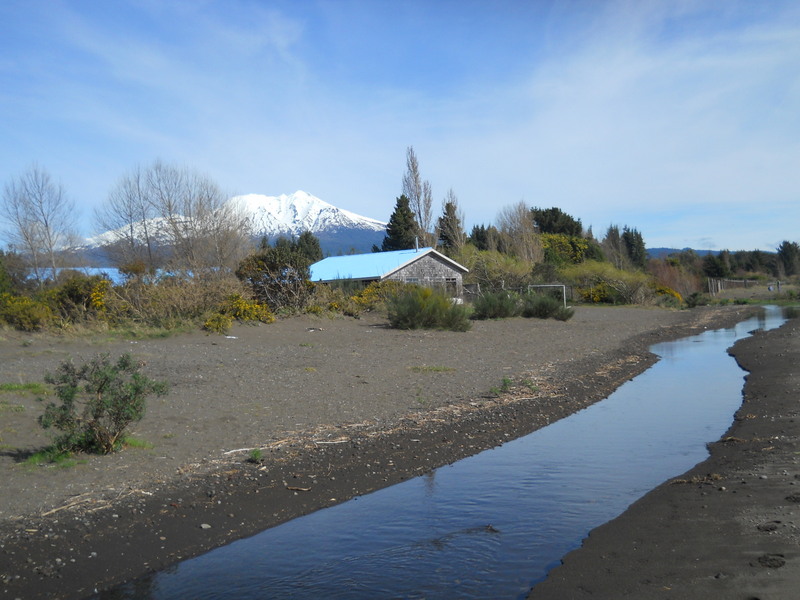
287	215
295	213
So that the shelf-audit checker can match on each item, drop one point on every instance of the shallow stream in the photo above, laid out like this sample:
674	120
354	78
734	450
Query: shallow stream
492	525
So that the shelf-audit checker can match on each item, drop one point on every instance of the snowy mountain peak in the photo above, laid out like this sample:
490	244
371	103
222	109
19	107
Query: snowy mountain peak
292	214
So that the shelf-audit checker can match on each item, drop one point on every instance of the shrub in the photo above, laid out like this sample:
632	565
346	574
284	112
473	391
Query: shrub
24	313
333	299
245	310
564	313
170	301
278	277
98	402
540	306
424	308
378	293
218	323
696	299
496	305
602	282
79	297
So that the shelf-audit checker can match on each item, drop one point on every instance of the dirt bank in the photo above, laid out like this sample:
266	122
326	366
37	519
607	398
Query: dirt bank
730	527
339	408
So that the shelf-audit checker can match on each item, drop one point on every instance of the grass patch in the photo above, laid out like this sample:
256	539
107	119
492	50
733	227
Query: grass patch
54	456
6	407
310	369
38	389
133	442
431	369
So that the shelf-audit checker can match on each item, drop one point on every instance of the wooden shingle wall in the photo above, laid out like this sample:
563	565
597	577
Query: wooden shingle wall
429	271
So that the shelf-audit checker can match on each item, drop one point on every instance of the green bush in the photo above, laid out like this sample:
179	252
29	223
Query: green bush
564	313
97	403
424	308
540	306
496	305
24	313
78	297
696	299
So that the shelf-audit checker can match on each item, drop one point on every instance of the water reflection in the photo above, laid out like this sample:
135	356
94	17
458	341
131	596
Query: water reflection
491	525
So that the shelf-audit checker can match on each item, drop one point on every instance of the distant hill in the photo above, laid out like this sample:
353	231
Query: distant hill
339	231
664	252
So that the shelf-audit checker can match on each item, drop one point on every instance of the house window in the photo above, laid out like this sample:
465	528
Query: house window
412	279
451	285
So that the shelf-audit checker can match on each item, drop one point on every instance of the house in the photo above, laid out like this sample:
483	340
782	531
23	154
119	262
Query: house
424	266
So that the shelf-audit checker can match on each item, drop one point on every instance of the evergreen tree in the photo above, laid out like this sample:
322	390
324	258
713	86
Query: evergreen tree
633	243
484	238
308	245
614	248
6	284
789	257
402	230
554	220
714	266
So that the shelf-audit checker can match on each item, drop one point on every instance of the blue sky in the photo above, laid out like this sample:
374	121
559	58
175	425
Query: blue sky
679	118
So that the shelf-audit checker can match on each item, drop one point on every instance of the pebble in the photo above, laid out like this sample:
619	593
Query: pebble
205	526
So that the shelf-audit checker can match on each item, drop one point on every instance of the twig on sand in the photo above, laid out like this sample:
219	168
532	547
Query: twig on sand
66	506
272	445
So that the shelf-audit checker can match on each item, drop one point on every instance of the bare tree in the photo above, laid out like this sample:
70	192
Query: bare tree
518	235
419	195
128	216
41	220
183	213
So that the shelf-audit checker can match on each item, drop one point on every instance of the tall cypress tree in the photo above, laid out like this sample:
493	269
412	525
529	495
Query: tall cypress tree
402	229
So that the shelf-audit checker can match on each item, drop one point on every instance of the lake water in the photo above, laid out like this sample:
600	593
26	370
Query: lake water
492	525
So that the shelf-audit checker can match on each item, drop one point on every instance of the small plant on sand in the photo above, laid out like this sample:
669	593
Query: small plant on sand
97	403
505	386
256	456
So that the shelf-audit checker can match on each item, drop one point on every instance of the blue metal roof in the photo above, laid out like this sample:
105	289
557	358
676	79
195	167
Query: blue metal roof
364	266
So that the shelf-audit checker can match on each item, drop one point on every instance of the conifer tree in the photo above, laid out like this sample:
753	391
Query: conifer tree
308	245
402	230
634	247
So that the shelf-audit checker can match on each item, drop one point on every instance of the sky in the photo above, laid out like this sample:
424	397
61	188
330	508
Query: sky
680	118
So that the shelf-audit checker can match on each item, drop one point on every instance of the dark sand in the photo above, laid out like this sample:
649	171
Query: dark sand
339	407
730	527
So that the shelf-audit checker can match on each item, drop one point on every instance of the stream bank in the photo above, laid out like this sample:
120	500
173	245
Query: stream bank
728	528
